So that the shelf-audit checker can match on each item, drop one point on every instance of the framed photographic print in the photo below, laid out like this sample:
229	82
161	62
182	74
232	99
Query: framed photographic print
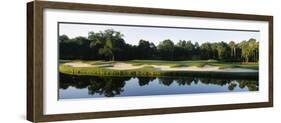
95	61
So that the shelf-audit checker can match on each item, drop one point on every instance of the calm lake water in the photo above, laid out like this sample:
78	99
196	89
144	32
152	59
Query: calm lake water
75	87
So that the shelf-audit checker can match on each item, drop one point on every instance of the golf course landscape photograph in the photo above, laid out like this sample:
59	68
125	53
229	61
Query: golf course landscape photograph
113	60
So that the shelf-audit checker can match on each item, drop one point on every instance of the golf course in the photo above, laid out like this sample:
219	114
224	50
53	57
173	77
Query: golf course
107	53
117	60
157	68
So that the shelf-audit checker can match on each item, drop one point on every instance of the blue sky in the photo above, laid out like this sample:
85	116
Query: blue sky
132	35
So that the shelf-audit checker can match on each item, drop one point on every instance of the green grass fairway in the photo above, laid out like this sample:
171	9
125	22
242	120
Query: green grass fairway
148	70
197	63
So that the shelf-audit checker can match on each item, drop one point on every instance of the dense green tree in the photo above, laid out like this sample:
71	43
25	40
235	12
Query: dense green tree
110	45
76	48
166	49
222	49
249	50
232	46
184	50
63	39
146	50
206	51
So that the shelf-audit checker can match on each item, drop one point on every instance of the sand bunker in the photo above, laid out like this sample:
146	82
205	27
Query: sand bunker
208	68
78	64
126	66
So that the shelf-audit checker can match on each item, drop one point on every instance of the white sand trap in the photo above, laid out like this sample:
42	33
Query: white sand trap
81	64
125	66
239	70
192	68
78	64
208	68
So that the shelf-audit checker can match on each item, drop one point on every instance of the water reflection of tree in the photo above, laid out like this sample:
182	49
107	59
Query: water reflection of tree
185	80
145	80
77	82
232	86
220	82
166	81
112	86
250	84
106	86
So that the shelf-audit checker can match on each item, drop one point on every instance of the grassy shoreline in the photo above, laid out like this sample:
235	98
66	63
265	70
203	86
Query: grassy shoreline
149	71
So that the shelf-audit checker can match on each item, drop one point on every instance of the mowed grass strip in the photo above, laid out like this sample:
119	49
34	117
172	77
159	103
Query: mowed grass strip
196	63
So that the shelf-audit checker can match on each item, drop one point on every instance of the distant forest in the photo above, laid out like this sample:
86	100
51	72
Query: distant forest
110	45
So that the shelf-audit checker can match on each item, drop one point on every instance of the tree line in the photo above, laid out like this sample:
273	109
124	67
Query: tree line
110	45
